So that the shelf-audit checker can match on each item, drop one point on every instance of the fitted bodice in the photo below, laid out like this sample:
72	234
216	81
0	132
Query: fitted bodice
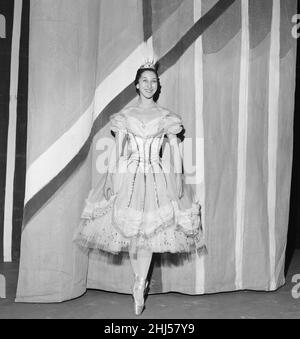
144	139
144	149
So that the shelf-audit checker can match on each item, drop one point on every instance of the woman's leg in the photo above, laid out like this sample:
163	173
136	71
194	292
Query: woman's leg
134	262
144	258
140	262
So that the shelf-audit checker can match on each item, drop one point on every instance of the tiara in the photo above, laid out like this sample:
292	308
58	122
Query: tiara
149	63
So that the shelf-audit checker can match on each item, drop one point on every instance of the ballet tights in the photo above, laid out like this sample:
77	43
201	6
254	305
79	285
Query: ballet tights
140	262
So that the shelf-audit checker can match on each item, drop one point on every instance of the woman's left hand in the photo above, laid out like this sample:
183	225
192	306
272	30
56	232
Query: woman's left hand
108	186
179	185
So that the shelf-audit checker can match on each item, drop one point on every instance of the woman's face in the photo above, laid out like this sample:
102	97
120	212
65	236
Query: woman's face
147	84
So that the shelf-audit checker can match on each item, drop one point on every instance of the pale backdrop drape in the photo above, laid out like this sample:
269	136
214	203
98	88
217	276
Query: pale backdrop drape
228	68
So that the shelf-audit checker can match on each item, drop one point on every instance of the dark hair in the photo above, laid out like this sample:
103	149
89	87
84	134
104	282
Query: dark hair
139	73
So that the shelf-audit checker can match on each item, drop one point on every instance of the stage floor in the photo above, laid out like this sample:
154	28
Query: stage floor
104	305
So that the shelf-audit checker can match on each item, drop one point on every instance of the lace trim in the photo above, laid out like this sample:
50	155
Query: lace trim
97	209
173	230
187	221
90	244
101	237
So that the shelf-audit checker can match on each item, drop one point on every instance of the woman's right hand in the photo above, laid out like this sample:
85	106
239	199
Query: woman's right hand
108	187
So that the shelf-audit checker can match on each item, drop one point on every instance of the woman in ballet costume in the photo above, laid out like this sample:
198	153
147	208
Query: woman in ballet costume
147	206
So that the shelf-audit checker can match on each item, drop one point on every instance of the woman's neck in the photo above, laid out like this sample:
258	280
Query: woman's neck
146	103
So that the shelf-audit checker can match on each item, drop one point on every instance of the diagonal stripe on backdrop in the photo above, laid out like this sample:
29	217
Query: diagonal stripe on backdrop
170	58
166	62
147	19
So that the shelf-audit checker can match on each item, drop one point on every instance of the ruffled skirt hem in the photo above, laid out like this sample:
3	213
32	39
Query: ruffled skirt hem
168	229
89	245
101	233
170	240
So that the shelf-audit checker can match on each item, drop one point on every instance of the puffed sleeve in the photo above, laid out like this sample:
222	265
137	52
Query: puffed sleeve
118	122
173	123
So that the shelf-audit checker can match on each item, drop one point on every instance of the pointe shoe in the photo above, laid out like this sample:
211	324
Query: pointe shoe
139	287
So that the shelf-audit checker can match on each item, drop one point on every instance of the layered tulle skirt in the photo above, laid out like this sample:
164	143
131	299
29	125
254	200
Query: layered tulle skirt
144	212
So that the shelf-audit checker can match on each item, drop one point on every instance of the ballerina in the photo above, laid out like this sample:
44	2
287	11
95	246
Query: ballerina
147	206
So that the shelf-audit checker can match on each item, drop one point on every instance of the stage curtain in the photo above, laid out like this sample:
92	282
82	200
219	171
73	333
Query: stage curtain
228	68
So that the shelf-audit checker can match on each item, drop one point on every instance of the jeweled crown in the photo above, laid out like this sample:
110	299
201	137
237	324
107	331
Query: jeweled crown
149	63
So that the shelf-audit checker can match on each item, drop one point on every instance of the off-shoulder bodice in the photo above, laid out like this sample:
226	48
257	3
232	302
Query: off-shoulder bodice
145	138
167	123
